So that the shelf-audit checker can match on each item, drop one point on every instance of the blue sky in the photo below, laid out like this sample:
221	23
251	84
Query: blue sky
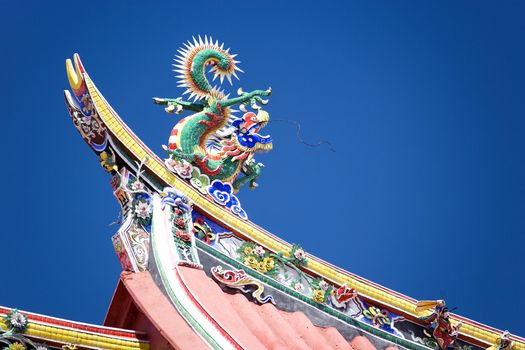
423	101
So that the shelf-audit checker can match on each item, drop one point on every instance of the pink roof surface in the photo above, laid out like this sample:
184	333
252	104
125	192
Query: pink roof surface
139	304
251	325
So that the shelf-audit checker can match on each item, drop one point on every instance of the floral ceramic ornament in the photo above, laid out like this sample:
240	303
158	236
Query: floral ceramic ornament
318	296
297	256
298	286
258	258
179	166
180	226
141	209
170	162
16	346
16	321
320	290
136	186
184	169
259	251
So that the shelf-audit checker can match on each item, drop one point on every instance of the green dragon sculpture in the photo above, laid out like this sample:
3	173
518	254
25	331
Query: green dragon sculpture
212	139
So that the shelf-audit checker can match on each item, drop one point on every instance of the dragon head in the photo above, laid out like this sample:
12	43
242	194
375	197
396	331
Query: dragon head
247	132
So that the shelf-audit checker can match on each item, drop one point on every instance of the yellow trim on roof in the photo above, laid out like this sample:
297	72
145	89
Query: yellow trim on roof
79	338
155	165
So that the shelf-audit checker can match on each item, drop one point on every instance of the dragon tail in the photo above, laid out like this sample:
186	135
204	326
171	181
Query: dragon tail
191	64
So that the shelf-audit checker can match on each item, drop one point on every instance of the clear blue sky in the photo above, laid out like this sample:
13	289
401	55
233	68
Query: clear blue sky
424	102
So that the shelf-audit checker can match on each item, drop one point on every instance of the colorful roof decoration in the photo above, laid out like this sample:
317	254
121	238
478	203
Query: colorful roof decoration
196	272
23	330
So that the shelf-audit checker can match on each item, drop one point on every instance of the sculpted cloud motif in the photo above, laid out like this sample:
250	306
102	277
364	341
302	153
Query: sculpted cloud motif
222	193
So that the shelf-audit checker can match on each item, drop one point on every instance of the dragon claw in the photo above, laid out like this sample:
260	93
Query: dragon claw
269	91
159	101
240	91
242	107
173	108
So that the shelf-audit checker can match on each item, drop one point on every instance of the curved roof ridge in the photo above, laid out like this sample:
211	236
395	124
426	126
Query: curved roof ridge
160	176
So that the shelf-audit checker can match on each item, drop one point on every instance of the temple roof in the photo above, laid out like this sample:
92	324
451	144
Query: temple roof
187	251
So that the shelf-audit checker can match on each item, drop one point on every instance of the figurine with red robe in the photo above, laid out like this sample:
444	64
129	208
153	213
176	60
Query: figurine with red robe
442	330
445	333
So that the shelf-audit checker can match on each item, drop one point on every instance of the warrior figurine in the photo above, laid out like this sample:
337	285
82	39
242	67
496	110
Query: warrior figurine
442	330
503	343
